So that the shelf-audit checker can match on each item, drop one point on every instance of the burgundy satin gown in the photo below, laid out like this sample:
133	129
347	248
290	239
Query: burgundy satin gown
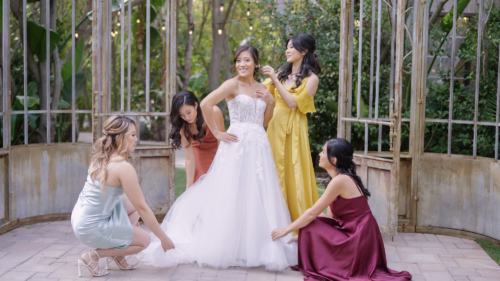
349	248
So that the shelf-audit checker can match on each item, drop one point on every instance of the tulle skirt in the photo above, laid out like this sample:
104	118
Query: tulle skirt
226	217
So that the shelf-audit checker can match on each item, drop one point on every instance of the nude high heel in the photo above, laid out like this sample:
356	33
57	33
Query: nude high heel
97	272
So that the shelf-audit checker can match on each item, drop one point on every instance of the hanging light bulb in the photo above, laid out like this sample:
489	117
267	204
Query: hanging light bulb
220	29
118	24
191	30
112	34
119	12
138	21
163	28
251	25
116	32
76	35
222	6
248	11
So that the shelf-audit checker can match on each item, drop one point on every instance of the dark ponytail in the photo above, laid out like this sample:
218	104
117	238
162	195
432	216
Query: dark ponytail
310	63
343	151
180	99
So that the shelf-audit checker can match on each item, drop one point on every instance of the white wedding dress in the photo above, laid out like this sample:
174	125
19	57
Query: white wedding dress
226	217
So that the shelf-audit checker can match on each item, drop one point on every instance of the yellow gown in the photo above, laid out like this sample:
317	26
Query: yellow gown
289	138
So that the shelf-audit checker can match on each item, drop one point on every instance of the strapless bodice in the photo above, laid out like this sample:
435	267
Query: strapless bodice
245	109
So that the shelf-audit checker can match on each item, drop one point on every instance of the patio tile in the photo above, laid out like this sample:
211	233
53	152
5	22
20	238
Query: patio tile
437	276
49	251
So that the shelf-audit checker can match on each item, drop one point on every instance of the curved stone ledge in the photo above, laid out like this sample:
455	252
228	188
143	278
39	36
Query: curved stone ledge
459	195
41	183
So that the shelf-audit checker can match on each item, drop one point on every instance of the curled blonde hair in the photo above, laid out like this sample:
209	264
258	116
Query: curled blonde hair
113	139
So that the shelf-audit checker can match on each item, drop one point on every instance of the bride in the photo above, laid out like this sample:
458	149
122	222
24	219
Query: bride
226	217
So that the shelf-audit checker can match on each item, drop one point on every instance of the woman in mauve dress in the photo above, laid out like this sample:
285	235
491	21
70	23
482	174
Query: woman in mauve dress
344	244
190	130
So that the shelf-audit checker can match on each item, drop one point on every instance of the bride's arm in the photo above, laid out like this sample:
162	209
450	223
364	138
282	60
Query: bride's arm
219	120
207	104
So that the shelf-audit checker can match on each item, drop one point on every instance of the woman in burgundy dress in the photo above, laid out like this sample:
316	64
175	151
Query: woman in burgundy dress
344	244
190	129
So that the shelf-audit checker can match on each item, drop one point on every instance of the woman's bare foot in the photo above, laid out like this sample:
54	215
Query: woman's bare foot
123	262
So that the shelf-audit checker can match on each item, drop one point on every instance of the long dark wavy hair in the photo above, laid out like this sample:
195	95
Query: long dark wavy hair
253	52
180	99
343	151
310	63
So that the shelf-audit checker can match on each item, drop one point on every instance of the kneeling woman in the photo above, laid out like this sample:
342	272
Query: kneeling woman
104	218
344	244
190	129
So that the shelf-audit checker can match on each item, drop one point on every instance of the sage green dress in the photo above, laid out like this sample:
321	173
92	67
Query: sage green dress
101	220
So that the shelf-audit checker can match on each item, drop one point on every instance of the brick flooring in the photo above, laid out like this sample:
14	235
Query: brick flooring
49	251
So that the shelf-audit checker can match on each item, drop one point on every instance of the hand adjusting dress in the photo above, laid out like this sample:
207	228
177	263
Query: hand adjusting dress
347	248
101	220
289	138
227	216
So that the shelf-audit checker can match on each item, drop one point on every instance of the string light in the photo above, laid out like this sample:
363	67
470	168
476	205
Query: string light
119	12
222	6
191	30
251	25
112	34
220	29
248	11
118	24
163	28
138	21
116	32
76	35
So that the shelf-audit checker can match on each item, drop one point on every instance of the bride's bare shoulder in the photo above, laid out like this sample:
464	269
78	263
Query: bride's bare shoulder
233	82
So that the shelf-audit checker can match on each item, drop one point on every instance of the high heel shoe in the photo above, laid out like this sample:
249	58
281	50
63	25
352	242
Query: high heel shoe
128	267
97	271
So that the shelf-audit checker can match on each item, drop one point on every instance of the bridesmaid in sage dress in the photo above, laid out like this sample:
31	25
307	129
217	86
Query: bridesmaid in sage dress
103	217
345	244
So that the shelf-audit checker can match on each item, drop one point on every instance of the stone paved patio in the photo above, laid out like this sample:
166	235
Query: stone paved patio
49	251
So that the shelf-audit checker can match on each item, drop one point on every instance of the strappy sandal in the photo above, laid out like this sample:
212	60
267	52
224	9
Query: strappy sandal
97	271
119	263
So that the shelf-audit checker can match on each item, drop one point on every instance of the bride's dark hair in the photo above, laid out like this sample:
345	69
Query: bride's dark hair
255	56
180	99
310	63
344	152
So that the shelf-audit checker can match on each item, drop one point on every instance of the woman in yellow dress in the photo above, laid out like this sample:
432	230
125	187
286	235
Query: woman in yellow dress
293	89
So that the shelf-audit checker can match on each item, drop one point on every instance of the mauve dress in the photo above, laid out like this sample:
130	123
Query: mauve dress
204	153
349	248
